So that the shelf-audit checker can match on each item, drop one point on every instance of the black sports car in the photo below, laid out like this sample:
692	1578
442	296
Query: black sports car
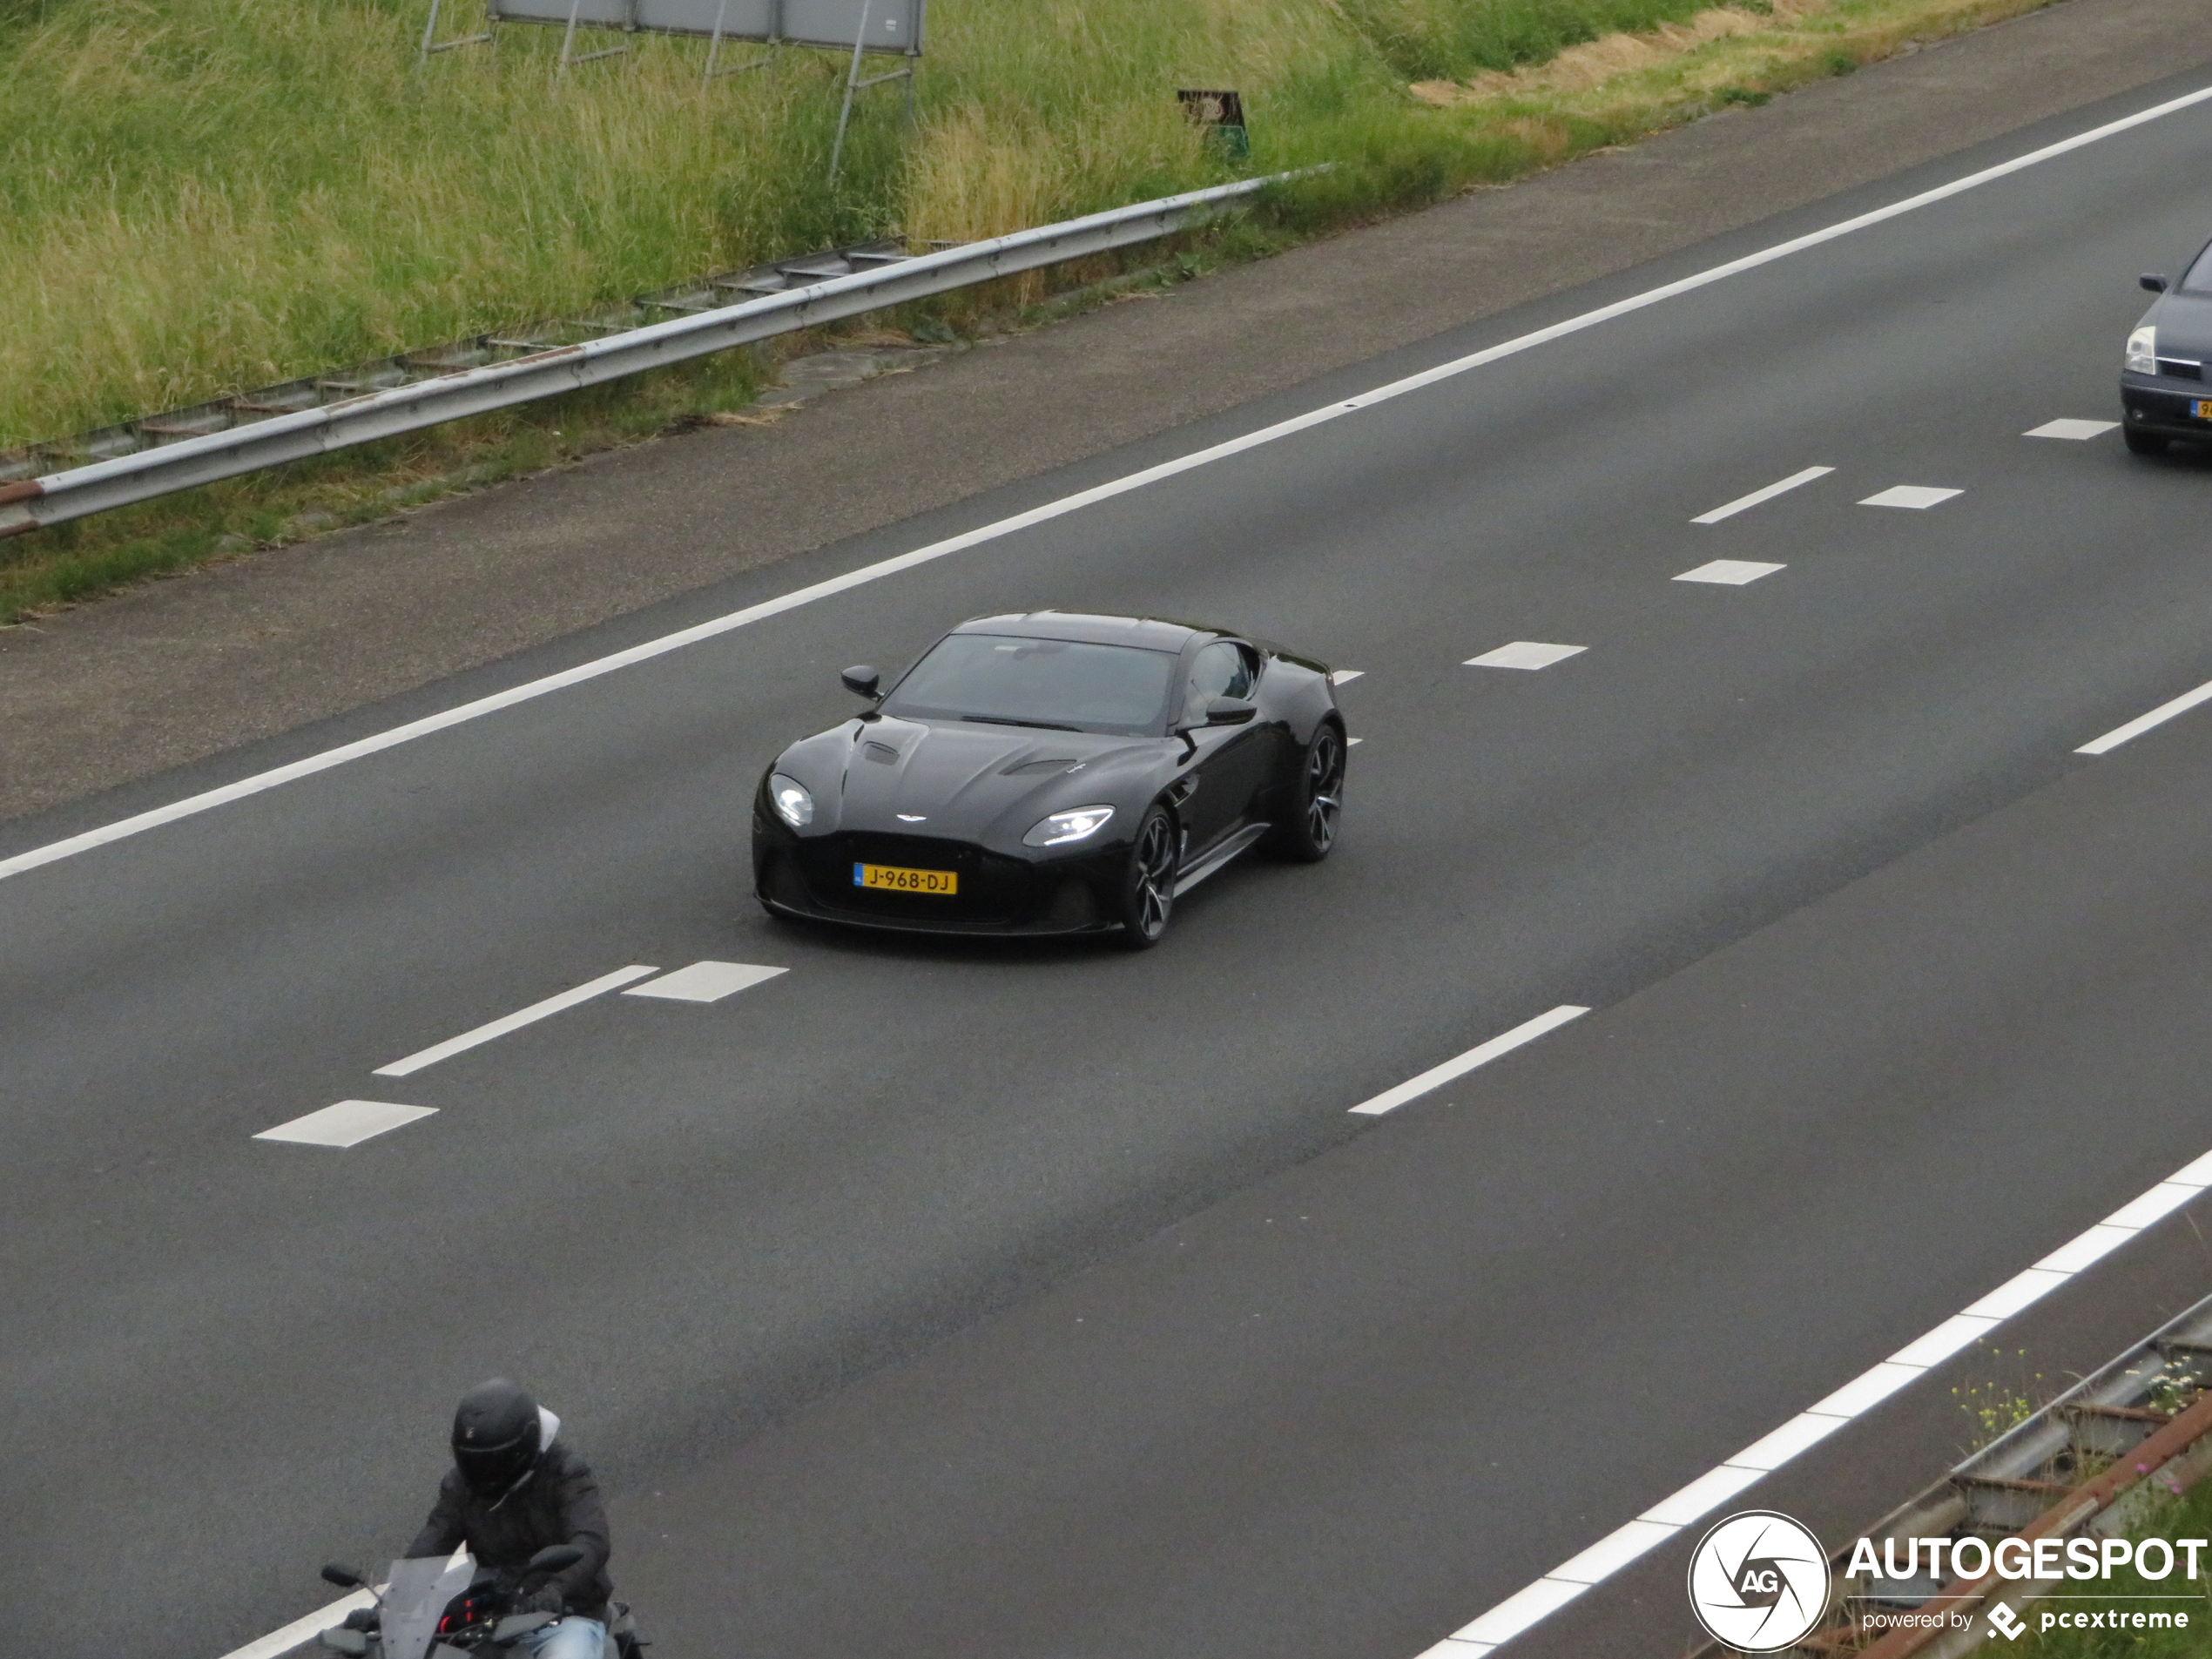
1052	773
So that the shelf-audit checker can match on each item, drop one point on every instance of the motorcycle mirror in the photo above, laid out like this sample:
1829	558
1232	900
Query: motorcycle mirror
861	680
555	1558
344	1577
338	1639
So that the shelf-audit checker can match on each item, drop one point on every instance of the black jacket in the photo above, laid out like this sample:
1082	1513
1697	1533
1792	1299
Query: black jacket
557	1503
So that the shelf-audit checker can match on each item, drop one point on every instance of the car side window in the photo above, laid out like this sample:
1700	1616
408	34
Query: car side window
1220	668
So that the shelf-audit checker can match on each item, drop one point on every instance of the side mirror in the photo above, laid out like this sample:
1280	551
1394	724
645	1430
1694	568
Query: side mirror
1231	710
862	680
344	1577
2151	283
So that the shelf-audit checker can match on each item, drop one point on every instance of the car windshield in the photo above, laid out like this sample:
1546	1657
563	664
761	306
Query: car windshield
999	680
2199	280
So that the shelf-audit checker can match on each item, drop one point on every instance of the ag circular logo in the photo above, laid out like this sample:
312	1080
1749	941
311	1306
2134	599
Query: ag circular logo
1758	1581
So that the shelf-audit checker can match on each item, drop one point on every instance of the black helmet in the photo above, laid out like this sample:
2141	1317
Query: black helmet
495	1437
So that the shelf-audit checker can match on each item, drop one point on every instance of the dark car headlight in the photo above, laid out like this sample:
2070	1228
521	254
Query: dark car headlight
789	797
1077	823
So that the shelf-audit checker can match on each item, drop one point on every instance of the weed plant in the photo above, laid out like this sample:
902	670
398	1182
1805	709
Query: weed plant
2185	1516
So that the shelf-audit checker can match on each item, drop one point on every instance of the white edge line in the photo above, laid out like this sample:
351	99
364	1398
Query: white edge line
193	805
514	1022
1482	1055
299	1632
1780	487
2142	723
1534	1602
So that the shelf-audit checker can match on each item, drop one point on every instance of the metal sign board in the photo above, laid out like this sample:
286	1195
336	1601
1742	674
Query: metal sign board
893	25
890	25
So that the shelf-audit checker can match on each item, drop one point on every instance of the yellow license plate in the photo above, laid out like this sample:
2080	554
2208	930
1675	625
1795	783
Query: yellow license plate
2204	409
889	878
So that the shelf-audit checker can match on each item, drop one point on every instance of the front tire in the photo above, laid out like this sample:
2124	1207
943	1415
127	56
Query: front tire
2143	443
1308	827
1148	885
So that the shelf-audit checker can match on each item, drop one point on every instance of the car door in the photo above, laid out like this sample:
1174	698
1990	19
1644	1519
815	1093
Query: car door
1232	762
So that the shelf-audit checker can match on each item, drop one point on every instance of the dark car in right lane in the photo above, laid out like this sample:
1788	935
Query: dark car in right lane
2164	391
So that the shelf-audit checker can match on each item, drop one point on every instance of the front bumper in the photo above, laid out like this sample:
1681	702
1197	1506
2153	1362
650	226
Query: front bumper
812	876
2165	405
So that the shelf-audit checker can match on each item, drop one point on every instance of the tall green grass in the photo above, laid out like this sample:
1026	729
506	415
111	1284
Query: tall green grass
200	195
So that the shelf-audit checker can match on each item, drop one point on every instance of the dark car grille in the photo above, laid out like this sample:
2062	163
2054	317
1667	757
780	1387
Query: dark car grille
2181	368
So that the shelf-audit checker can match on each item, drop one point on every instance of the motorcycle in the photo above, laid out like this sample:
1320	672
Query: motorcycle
432	1608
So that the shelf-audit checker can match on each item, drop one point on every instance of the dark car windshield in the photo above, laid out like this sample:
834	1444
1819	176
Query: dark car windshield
2199	280
998	679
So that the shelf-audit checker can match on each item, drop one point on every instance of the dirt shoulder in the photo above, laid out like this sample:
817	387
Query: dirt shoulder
182	669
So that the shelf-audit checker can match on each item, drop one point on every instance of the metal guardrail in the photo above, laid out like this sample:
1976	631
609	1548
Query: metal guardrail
2079	1466
222	440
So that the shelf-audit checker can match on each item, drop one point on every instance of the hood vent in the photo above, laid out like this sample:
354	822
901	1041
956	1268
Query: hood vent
1024	767
883	752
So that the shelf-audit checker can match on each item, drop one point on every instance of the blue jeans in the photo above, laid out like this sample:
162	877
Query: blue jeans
569	1638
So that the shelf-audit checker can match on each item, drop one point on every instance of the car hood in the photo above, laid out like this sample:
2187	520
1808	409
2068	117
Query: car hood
2184	325
966	782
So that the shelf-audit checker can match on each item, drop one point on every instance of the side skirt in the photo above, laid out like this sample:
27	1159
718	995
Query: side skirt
1218	857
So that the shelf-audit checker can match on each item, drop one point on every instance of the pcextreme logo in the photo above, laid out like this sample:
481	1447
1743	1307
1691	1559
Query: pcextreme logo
1758	1581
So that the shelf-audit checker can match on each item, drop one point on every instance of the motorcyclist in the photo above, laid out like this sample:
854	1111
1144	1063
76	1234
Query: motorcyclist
513	1490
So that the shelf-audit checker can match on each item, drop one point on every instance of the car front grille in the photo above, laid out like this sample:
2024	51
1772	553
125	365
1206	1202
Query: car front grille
2181	368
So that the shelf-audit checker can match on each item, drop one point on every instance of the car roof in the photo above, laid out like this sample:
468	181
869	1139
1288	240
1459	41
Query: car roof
1148	633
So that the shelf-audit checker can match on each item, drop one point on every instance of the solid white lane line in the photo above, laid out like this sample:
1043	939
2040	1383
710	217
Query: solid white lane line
2142	723
348	1123
1914	497
1525	653
1871	1386
1780	487
2074	429
1414	1087
514	1022
200	803
705	982
1730	572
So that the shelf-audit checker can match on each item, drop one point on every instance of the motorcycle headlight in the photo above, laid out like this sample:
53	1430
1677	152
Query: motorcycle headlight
1077	823
793	805
2142	351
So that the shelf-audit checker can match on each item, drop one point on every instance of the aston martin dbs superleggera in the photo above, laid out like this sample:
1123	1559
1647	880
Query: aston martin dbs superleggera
1052	773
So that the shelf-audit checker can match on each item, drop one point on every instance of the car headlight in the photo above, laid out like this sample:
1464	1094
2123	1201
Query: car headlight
793	805
2142	351
1077	823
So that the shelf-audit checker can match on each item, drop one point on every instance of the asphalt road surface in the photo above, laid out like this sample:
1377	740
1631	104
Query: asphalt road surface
1894	992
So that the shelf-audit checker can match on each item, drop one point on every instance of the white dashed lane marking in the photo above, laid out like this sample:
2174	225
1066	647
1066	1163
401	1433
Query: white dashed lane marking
1345	675
2076	430
1730	509
2142	723
1525	653
514	1022
1436	1076
348	1123
705	982
1732	573
1917	497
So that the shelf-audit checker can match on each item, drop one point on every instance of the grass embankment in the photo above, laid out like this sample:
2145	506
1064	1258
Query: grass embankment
2187	1516
202	196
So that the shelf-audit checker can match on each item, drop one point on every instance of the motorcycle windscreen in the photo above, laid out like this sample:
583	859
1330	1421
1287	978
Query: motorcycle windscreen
416	1598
